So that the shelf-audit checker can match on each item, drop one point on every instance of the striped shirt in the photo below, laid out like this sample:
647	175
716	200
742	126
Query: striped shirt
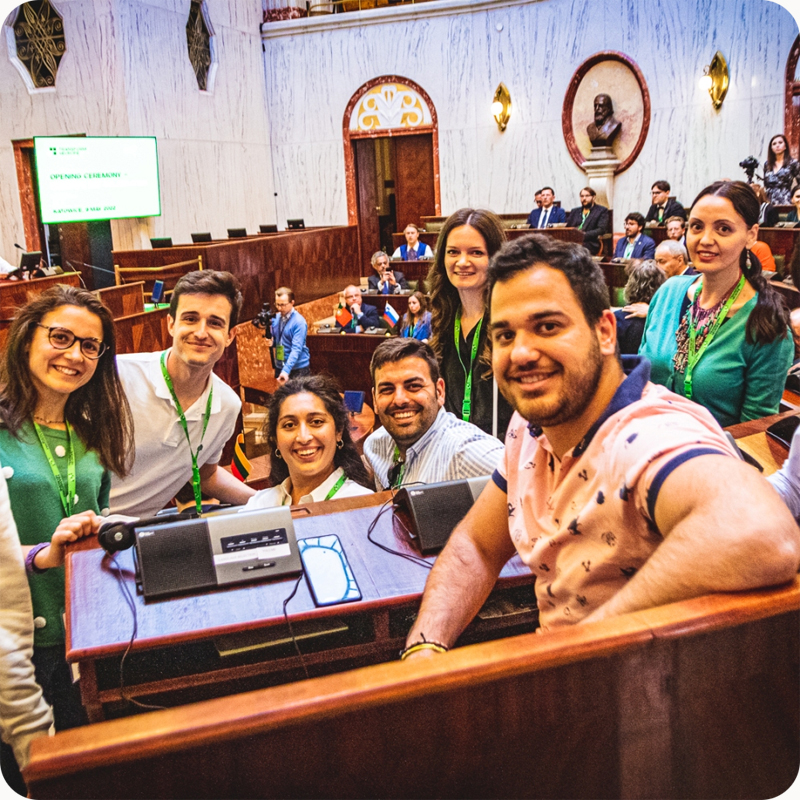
449	450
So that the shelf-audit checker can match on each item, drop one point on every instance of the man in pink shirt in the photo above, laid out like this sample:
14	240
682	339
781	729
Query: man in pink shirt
618	494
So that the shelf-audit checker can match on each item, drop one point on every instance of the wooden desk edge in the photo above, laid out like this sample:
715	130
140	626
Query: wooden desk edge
238	716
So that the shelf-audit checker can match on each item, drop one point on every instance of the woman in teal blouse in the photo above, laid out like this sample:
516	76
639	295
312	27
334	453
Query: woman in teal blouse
721	338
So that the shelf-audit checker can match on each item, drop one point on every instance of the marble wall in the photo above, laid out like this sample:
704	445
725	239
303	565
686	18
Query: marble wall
459	50
266	143
127	72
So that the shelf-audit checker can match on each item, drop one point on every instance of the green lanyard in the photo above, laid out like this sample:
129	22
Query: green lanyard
182	417
411	330
335	488
67	495
693	356
583	220
396	460
466	406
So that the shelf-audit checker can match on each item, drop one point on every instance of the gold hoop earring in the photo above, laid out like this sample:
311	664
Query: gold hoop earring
340	444
278	453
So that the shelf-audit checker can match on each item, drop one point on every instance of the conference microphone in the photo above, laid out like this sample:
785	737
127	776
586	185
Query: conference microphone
19	247
114	535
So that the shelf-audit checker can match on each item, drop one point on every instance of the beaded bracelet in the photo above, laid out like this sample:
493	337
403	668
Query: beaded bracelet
30	564
437	647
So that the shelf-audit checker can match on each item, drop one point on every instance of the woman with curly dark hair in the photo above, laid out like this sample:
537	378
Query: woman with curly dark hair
313	456
457	285
64	425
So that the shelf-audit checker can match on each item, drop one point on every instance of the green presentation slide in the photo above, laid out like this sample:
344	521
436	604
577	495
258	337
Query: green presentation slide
96	177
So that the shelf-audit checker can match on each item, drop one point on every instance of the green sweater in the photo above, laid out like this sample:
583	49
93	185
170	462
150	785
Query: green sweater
735	380
36	506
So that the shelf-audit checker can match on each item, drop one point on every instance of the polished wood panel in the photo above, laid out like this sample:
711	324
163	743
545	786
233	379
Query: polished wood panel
122	301
366	192
143	333
346	357
694	699
15	294
788	292
782	241
314	263
414	192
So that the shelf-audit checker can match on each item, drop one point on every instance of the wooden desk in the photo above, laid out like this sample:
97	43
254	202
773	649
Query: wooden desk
399	301
345	356
175	652
694	699
751	437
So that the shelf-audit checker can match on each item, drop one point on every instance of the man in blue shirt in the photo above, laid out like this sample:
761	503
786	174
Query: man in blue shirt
289	331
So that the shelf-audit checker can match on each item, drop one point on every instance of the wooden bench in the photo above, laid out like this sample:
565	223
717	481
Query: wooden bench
169	273
696	699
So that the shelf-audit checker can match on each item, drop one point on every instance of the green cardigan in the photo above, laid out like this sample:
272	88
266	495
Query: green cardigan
37	510
735	380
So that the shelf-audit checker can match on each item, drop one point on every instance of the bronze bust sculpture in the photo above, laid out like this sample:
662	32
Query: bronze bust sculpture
605	127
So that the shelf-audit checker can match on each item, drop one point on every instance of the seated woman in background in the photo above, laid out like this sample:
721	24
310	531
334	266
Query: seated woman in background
416	322
768	215
312	454
721	339
780	171
643	281
794	214
457	284
64	424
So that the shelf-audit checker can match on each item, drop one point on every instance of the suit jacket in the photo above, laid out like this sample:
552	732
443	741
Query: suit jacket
594	227
672	209
645	247
557	214
402	283
369	319
770	214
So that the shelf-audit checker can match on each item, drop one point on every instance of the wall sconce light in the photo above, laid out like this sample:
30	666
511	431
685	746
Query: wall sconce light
501	106
715	79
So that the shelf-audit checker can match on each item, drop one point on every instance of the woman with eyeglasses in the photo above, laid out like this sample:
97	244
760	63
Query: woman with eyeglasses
64	425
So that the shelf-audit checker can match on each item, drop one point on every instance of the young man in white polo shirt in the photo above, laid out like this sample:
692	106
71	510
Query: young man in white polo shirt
183	414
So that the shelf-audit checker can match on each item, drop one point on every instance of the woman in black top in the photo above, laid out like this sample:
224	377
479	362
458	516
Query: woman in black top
457	285
781	171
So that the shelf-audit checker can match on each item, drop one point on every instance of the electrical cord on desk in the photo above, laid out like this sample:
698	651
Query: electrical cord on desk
289	623
383	509
129	600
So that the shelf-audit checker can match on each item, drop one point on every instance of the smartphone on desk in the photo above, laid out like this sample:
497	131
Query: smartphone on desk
327	571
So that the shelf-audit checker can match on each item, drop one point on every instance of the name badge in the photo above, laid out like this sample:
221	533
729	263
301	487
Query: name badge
279	352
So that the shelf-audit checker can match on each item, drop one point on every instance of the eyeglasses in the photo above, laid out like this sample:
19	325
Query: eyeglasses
63	339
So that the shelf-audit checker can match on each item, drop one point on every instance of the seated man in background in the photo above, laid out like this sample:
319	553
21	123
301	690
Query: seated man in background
537	199
183	414
676	229
356	316
672	257
663	206
385	280
548	214
591	218
420	442
618	494
413	249
635	244
289	331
